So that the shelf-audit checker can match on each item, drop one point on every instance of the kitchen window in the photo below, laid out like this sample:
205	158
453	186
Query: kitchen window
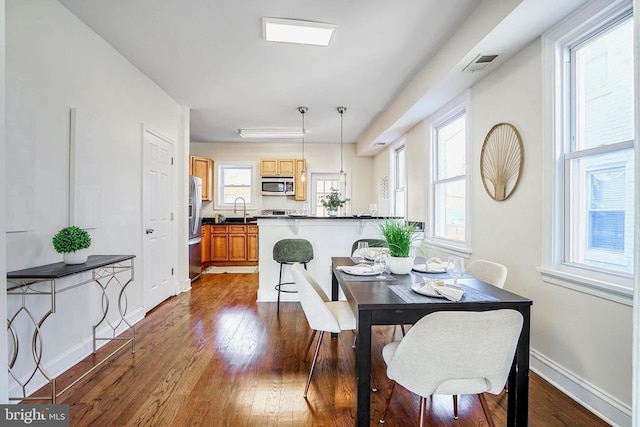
448	206
321	184
235	181
593	150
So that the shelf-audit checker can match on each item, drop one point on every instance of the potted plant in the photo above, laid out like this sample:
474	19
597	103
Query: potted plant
399	235
71	242
332	202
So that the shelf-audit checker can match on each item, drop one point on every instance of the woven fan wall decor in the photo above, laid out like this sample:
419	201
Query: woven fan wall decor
501	161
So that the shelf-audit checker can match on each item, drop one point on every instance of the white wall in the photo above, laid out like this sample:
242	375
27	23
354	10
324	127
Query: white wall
579	342
320	158
59	60
3	252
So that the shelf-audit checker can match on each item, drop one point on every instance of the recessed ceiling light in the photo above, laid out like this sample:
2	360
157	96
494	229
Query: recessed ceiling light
300	32
281	133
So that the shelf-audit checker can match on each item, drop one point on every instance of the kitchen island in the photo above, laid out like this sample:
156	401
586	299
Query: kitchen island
329	236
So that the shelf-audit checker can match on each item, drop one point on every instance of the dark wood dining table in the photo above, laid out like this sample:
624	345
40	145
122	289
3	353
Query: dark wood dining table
390	301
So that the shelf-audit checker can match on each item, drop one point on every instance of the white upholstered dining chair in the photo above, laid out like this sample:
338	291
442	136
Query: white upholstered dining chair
488	271
454	352
323	315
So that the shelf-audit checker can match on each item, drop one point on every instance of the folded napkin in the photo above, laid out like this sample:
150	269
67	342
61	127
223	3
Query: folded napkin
437	287
357	269
435	264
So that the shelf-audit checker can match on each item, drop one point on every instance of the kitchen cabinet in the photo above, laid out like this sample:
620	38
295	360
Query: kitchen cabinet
252	243
203	168
235	244
205	244
277	167
301	187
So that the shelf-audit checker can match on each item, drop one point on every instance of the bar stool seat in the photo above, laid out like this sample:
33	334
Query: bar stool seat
289	252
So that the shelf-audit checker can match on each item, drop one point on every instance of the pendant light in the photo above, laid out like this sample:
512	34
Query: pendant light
343	174
303	172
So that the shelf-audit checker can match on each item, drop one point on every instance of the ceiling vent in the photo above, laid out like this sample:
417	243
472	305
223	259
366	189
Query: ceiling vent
379	143
480	62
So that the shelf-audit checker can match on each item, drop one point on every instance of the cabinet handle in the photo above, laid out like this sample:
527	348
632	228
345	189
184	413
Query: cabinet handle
149	230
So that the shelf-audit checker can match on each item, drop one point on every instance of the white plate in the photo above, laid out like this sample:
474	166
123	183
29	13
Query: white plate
422	268
358	271
416	287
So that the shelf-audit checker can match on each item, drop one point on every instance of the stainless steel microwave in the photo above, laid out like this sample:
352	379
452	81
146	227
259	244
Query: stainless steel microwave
281	186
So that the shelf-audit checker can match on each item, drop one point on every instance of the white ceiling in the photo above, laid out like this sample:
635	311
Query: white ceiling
209	55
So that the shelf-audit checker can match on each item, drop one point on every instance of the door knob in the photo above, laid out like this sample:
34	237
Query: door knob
149	230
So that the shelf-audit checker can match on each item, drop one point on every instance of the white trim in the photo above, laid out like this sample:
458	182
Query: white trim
596	400
592	15
599	288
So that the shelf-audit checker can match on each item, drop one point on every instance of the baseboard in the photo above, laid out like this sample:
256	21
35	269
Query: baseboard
71	357
184	286
605	406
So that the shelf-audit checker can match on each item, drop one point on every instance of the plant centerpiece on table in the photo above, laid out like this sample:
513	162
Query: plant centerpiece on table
72	243
332	201
399	236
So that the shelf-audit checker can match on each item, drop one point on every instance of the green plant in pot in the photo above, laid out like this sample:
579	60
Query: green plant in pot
72	243
399	236
332	201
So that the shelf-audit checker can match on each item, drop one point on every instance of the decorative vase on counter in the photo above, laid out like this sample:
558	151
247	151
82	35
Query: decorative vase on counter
332	212
400	265
77	257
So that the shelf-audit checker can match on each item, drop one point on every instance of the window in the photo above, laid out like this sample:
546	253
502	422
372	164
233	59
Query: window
449	180
591	131
235	181
400	178
598	155
322	183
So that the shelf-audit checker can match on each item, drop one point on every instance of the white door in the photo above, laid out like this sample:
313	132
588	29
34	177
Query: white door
157	259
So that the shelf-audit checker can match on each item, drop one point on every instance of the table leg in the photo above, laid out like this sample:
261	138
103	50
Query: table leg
518	397
363	369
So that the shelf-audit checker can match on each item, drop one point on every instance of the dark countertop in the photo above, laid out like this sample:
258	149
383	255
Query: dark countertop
228	221
295	216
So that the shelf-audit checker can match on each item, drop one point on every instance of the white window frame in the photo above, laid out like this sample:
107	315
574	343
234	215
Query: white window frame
328	176
451	111
396	173
219	185
556	105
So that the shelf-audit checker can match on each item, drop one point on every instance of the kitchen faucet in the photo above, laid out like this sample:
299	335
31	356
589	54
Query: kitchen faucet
244	208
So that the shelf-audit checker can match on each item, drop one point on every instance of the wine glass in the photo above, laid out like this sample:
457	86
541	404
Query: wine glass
373	208
380	264
455	268
361	252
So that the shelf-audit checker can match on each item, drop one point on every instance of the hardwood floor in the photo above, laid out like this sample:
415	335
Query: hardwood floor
215	357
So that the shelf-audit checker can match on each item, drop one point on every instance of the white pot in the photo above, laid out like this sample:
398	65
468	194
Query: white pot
333	213
77	257
400	265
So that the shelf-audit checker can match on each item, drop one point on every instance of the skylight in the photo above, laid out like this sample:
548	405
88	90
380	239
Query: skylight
299	32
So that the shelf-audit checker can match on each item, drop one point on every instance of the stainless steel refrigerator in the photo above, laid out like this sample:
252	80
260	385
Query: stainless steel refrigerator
195	227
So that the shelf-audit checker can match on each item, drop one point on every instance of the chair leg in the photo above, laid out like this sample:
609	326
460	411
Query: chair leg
313	364
279	284
313	335
455	407
423	411
403	331
485	409
386	405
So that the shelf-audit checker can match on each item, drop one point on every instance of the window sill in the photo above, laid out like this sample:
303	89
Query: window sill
606	290
453	249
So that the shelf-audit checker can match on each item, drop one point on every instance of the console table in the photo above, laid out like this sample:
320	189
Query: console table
106	270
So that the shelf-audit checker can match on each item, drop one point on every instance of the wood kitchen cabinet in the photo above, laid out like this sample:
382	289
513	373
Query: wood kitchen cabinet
235	244
277	167
203	168
301	187
205	244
